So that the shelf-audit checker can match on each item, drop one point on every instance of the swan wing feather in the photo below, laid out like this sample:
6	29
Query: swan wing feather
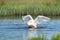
41	19
26	18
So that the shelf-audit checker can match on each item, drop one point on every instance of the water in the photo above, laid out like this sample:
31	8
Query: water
12	29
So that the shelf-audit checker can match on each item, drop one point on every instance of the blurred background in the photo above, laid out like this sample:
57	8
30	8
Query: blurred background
17	8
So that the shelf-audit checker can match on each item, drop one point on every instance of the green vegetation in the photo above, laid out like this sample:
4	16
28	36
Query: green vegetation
17	8
37	38
56	37
48	10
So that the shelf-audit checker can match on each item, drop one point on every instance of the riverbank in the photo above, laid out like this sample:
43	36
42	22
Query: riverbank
32	9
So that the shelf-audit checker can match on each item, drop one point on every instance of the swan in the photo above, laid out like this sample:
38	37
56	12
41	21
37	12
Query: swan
32	23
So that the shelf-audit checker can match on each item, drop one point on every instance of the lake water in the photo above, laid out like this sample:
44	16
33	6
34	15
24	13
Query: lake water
18	31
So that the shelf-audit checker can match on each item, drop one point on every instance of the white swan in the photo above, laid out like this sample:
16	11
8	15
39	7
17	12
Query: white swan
33	23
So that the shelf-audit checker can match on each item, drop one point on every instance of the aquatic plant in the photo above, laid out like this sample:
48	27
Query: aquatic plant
56	37
38	38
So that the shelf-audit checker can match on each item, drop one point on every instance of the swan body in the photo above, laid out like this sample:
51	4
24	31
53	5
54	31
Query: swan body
33	22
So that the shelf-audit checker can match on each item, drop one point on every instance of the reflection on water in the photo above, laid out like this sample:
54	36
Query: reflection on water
23	34
41	32
9	31
33	33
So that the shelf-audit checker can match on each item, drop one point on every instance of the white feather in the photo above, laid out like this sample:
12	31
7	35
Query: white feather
41	19
29	20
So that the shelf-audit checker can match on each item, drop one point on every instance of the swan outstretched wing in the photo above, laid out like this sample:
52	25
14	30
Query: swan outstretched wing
26	18
41	19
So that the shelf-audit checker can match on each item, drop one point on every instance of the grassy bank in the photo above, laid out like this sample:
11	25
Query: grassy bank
33	9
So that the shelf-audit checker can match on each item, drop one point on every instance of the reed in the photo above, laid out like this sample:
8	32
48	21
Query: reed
37	38
19	9
56	37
